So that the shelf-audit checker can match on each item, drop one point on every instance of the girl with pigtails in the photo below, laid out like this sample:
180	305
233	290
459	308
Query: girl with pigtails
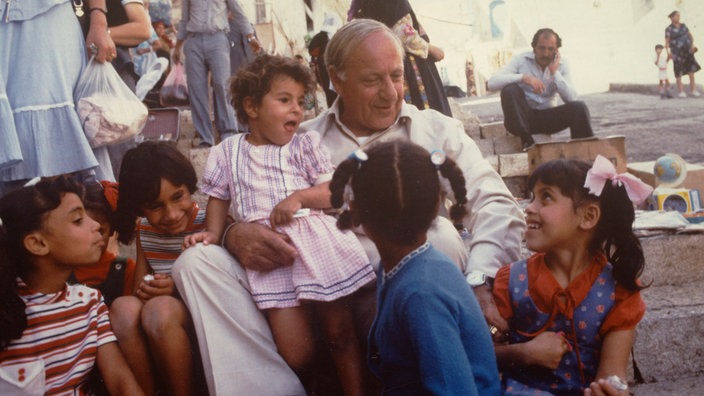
53	334
573	306
429	335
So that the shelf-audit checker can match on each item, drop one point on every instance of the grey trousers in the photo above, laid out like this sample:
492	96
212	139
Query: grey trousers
209	52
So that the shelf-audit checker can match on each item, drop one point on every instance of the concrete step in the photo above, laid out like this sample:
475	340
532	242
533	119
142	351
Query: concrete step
682	386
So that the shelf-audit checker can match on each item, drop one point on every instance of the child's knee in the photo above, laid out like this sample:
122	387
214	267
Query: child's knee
125	314
300	356
162	314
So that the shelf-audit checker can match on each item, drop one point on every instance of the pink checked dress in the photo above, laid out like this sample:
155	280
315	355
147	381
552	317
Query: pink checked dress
331	263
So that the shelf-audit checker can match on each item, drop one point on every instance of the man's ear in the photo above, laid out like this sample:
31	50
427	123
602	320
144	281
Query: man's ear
591	213
250	108
335	79
35	244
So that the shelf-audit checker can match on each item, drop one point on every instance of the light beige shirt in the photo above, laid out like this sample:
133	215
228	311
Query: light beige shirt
494	218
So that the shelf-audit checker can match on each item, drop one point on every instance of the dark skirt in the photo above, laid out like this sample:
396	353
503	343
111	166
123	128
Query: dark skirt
423	86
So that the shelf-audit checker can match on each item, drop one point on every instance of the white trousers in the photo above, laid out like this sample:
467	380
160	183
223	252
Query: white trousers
236	346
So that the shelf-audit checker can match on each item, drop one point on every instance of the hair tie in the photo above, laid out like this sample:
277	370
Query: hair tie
110	191
437	157
358	155
603	170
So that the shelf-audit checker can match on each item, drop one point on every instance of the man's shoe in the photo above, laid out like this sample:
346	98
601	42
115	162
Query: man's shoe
696	93
681	94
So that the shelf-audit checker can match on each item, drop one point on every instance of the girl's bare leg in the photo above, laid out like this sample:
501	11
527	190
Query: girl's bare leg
339	329
125	315
293	334
166	321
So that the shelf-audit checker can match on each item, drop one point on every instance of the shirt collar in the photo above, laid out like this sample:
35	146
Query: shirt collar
403	117
422	248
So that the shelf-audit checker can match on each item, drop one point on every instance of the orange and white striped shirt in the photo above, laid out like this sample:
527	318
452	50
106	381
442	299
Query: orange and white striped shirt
57	350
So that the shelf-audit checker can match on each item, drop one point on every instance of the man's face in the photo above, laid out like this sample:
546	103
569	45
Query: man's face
546	49
372	90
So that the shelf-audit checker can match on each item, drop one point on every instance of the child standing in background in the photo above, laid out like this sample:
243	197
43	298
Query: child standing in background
112	275
661	60
52	333
275	176
429	335
573	306
154	326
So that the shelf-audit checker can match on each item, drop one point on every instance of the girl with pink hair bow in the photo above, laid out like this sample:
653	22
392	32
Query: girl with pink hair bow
573	306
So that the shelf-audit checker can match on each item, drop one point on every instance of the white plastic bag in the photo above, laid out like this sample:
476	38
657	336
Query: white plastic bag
109	111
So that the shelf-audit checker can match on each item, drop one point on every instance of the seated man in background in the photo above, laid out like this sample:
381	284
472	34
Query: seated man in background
530	83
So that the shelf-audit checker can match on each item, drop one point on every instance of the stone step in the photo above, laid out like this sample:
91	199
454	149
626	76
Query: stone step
682	386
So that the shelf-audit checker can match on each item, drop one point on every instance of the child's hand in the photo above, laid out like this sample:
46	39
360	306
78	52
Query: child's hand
603	387
547	349
206	237
282	213
160	285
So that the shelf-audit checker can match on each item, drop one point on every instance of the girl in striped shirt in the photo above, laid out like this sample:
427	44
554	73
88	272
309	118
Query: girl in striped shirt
53	334
153	326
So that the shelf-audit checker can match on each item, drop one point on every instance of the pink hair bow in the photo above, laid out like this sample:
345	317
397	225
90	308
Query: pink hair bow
603	170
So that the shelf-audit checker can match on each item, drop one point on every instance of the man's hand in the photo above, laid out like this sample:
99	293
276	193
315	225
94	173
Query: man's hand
258	247
554	64
176	54
491	313
534	82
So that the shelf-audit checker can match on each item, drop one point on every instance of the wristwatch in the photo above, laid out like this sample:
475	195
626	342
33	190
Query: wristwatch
476	278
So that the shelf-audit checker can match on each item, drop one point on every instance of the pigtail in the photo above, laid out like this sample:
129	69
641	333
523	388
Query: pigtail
12	308
338	185
615	235
453	173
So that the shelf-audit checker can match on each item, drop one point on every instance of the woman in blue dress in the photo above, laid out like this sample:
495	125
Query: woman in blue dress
679	44
42	54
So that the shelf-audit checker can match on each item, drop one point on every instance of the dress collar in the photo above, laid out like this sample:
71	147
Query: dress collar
422	248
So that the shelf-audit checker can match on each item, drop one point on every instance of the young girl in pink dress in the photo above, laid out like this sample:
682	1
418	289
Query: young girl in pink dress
275	176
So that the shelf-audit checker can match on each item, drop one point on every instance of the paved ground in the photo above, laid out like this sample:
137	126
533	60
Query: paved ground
652	126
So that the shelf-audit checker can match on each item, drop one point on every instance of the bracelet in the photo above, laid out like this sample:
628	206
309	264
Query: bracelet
103	10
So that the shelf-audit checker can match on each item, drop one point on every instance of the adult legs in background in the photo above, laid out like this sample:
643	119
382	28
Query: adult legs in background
197	66
217	54
573	115
518	116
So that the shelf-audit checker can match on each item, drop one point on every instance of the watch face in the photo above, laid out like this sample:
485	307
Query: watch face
476	279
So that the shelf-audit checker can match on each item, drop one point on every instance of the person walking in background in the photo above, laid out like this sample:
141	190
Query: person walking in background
202	38
422	84
530	84
679	44
661	60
